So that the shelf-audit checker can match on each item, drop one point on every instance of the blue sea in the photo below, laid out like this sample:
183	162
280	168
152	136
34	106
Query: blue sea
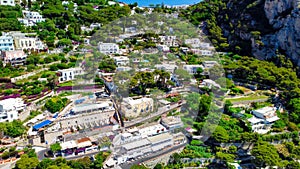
145	3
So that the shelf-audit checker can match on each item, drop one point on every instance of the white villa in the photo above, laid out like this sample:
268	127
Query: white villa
263	119
9	109
69	74
31	18
108	48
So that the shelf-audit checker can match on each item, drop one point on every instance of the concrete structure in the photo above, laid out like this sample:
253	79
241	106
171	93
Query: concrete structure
267	113
135	107
7	2
167	67
133	150
121	60
95	26
202	52
87	116
69	74
31	18
92	107
263	119
193	42
192	69
123	69
179	138
10	108
79	146
169	41
209	83
6	43
130	30
142	146
209	64
152	130
161	141
108	48
22	42
172	122
14	57
163	48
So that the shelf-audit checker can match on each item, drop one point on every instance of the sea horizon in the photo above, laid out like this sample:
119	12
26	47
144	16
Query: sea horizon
147	3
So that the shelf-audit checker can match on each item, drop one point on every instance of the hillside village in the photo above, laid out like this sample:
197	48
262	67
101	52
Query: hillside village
144	91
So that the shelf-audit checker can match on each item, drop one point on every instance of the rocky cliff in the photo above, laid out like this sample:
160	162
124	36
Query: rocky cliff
284	17
261	28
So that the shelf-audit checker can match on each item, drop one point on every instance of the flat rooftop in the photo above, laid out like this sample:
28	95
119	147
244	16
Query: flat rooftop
136	144
160	138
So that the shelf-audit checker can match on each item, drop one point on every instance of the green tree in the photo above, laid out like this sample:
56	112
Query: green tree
55	147
293	164
158	166
135	166
225	156
26	162
55	104
232	149
265	154
99	159
45	163
220	135
183	74
193	100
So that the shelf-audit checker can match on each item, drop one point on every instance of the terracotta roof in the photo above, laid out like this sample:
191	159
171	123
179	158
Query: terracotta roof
83	140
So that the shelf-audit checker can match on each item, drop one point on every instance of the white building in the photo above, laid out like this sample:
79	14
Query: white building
22	42
140	147
133	150
152	130
7	2
17	57
202	52
161	141
121	60
9	109
172	122
193	42
25	43
209	64
130	30
192	69
6	43
135	107
263	119
169	41
69	74
95	26
267	113
123	69
163	48
108	48
167	67
88	116
209	83
31	18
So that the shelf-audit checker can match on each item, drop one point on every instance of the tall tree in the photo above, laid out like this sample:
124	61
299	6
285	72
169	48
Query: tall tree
265	154
26	162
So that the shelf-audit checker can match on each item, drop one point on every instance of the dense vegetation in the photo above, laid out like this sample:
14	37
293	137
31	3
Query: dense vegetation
32	162
55	104
13	129
8	18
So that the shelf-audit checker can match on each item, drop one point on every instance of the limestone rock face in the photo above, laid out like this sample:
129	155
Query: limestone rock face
284	17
